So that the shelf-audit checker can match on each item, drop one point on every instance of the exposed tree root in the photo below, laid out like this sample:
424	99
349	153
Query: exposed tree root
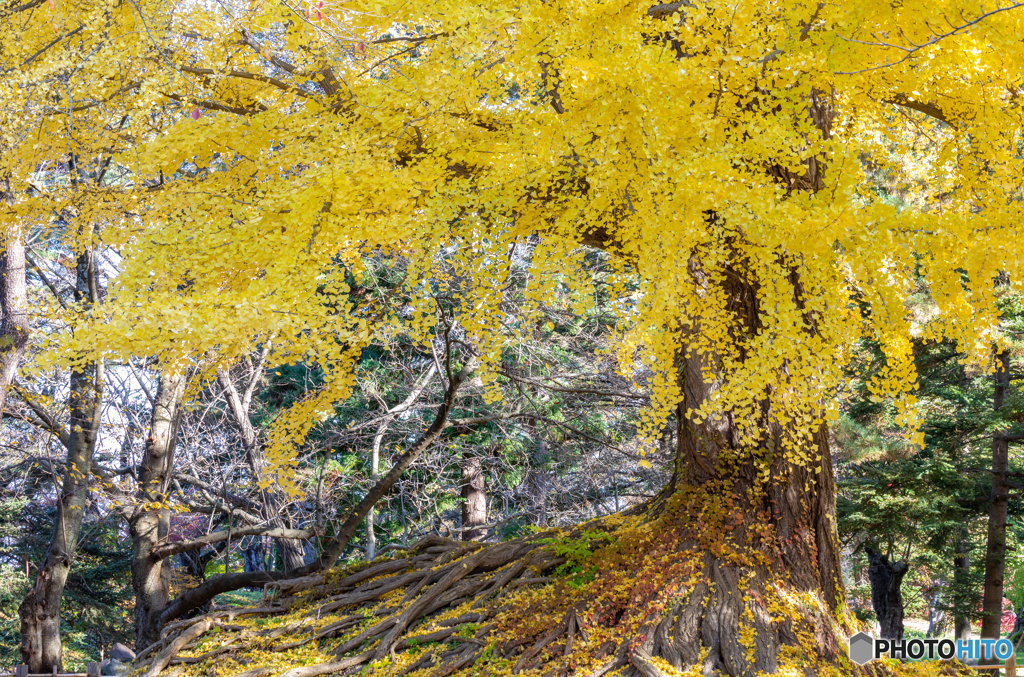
639	604
188	635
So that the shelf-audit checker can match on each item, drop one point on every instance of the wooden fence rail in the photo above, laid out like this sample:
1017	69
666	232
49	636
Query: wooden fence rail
91	670
1010	666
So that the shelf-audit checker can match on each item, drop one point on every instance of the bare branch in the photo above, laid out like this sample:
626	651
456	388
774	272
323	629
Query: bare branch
914	48
168	549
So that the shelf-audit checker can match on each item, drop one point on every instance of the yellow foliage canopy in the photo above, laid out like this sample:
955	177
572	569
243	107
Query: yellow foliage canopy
264	149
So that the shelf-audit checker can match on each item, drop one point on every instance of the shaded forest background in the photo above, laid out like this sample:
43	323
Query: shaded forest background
559	449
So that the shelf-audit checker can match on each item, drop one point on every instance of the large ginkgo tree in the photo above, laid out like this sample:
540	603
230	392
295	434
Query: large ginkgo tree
717	149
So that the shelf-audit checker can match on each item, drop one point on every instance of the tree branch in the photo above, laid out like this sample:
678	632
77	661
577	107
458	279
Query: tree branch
50	424
213	105
280	84
215	585
348	529
920	106
169	549
667	9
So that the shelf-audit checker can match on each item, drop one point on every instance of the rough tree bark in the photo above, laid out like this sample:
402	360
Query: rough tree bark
801	546
13	302
474	499
39	613
536	483
995	558
149	523
887	593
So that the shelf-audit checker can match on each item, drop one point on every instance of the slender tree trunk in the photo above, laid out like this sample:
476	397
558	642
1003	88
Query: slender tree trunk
371	536
149	523
936	615
13	305
995	558
1018	625
961	580
860	578
537	483
474	499
418	387
39	613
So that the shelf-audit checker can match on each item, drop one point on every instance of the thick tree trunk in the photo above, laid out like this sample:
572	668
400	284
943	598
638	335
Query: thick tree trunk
887	593
751	518
778	519
995	558
13	306
474	499
40	611
149	523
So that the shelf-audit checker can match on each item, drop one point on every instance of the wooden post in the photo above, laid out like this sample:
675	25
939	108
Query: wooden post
92	670
21	671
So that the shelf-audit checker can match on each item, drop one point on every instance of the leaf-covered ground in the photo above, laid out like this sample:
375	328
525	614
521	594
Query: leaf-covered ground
589	602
